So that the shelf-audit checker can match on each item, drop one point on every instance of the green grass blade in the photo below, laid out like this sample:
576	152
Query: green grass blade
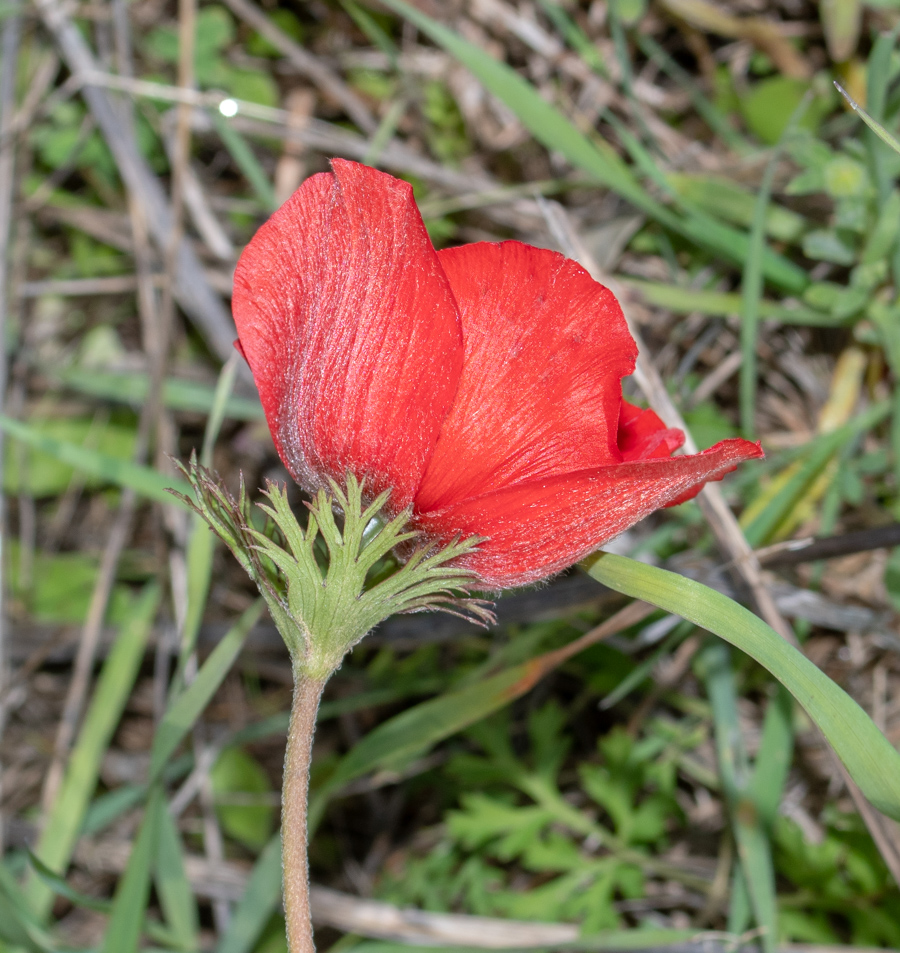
878	79
754	850
821	450
132	389
64	821
144	481
886	137
219	407
373	30
717	121
869	757
725	303
183	711
557	133
773	759
123	932
200	552
110	806
751	293
752	281
173	887
246	160
414	731
18	925
61	888
260	900
202	543
574	36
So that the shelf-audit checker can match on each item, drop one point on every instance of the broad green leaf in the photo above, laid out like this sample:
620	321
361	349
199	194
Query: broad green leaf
869	757
768	106
143	480
183	711
236	773
59	586
63	823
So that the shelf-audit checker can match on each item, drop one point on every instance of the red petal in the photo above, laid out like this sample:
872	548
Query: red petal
643	436
546	348
351	331
538	528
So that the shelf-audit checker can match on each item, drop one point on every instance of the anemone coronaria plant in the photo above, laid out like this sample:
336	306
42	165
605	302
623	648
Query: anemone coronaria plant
460	409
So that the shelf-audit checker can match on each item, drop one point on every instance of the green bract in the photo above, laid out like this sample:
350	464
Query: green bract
323	584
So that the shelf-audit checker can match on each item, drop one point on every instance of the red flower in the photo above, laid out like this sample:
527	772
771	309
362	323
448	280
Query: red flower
480	384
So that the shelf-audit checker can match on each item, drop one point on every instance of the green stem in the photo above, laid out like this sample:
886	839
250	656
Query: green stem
294	799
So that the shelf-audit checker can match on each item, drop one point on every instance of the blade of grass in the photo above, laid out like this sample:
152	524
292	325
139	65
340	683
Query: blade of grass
713	117
261	898
64	821
752	280
202	543
18	925
144	481
414	731
373	30
246	160
886	137
754	850
110	806
773	759
385	131
868	755
124	930
878	79
574	36
61	888
182	712
132	389
724	303
763	516
173	887
557	133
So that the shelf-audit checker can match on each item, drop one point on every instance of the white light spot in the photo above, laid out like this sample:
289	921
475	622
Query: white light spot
228	108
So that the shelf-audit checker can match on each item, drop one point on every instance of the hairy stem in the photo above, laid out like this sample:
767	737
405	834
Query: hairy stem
294	798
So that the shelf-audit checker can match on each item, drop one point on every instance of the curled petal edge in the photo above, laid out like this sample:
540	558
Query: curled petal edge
539	528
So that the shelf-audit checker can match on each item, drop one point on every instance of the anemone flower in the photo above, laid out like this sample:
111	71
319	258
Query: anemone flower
462	408
480	385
